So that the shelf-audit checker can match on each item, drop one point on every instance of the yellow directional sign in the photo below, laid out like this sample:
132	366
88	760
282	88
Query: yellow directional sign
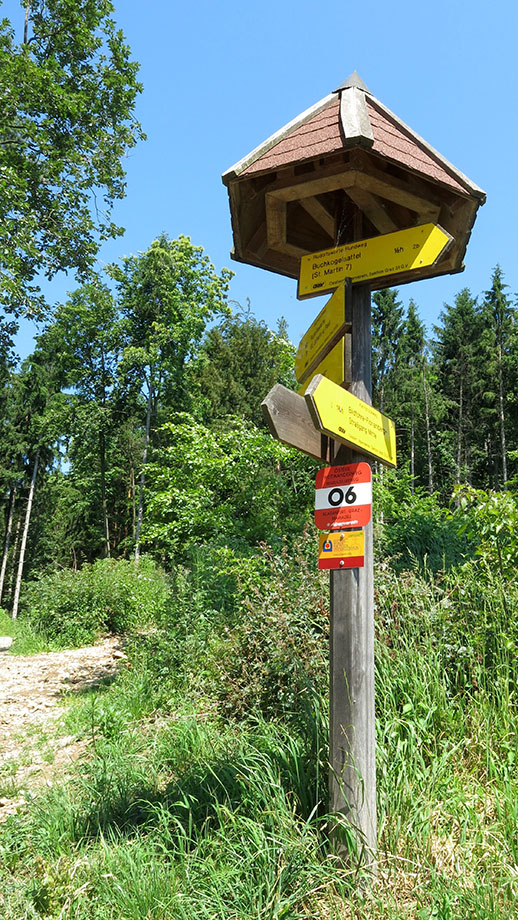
332	366
388	254
342	416
321	335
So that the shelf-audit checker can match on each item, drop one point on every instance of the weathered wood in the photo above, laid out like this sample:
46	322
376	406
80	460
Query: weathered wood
373	209
352	726
275	220
354	117
288	419
258	244
310	187
395	191
321	215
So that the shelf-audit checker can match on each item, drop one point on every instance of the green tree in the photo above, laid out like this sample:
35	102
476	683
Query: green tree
458	367
500	343
412	412
239	362
68	92
38	419
167	295
387	332
85	338
234	487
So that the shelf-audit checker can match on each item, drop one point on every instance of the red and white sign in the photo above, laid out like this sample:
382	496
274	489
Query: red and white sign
343	496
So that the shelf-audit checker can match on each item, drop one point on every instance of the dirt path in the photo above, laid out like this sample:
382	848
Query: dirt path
32	748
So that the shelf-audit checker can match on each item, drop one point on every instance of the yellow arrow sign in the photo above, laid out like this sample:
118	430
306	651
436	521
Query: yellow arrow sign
342	416
332	366
388	254
324	331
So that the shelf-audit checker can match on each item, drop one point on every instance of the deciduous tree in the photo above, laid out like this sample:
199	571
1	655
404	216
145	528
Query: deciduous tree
68	88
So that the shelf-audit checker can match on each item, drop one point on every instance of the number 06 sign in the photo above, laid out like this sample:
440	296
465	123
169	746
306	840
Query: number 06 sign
343	496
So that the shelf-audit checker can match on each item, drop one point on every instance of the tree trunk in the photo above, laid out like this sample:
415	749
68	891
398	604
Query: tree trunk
133	499
21	559
459	435
140	512
106	526
7	543
428	437
501	413
14	556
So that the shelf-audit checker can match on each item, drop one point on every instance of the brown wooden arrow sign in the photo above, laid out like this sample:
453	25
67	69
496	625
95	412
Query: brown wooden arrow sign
289	420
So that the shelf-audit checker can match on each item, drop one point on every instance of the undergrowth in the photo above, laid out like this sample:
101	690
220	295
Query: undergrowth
204	792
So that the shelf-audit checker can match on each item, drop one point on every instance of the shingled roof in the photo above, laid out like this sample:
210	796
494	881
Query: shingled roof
350	117
345	169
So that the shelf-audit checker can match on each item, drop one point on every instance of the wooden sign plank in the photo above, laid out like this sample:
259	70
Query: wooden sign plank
339	414
290	421
376	257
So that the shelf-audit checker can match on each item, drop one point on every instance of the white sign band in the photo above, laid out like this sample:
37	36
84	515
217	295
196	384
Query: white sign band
358	493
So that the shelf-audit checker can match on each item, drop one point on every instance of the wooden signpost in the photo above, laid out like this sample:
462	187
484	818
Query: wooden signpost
346	192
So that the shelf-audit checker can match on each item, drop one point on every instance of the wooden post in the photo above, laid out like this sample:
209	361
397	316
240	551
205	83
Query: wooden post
352	730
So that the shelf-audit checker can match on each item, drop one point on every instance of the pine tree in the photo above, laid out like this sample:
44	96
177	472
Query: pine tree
457	360
500	345
239	362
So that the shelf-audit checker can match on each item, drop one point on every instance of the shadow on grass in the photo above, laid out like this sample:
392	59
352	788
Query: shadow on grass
198	801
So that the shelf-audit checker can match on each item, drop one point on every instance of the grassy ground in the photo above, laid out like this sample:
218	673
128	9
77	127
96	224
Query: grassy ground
198	798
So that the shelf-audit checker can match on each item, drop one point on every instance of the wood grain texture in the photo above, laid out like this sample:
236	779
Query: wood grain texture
289	421
352	786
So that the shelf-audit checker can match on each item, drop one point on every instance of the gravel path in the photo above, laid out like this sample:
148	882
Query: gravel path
31	687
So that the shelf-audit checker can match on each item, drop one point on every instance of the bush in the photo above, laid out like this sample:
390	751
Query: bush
273	660
413	529
107	596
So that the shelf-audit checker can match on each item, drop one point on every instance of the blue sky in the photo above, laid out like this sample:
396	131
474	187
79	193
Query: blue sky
220	78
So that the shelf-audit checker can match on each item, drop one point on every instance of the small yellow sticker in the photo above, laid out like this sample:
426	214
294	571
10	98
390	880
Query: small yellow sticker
341	550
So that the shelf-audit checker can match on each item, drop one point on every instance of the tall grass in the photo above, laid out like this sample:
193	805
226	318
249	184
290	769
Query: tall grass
204	792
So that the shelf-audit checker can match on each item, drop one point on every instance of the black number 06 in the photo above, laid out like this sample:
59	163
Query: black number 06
336	497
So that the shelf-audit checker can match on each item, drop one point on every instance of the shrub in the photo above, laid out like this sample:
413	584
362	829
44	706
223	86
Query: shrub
274	658
108	596
412	529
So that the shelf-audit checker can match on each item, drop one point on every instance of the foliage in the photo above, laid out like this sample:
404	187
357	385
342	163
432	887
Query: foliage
188	813
273	658
68	92
239	362
76	607
387	328
413	529
237	485
167	295
490	520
